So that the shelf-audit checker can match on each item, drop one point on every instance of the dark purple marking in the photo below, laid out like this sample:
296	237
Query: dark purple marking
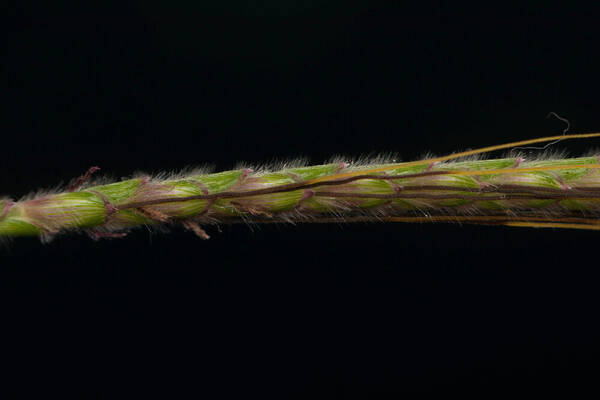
395	187
153	214
561	183
110	209
202	187
306	194
245	173
209	204
97	235
518	162
242	178
143	181
77	183
431	165
341	166
194	227
7	206
250	210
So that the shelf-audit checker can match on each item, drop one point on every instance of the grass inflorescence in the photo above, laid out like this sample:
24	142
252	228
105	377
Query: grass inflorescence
551	191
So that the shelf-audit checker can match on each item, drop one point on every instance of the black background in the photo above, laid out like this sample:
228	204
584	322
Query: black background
362	310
